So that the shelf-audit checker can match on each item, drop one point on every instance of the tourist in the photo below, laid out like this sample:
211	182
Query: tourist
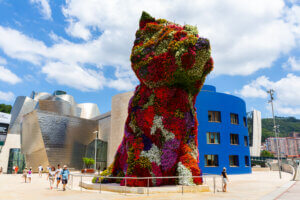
29	174
58	173
40	170
65	175
1	170
16	169
25	173
224	179
51	176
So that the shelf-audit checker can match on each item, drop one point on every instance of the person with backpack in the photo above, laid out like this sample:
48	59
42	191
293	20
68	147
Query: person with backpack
65	175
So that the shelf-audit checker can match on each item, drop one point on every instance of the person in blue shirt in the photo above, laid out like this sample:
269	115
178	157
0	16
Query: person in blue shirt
65	175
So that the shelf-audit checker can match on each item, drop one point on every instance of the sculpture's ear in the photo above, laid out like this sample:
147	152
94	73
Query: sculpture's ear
146	18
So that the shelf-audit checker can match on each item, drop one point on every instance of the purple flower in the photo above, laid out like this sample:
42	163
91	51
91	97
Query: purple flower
169	155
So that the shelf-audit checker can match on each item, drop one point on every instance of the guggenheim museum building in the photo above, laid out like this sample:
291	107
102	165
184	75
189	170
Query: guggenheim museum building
51	129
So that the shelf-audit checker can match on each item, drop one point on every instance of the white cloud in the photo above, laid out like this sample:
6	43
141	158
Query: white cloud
286	92
74	76
245	36
293	64
7	76
3	61
6	96
44	7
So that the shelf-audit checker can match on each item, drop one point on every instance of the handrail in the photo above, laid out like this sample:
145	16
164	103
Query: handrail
204	176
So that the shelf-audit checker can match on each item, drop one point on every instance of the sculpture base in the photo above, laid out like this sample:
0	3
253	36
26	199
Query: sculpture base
114	187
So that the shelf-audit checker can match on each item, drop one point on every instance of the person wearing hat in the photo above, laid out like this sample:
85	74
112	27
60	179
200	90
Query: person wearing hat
65	175
225	179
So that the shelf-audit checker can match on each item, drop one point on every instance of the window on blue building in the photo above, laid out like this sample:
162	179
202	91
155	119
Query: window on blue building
234	139
233	161
234	118
213	138
211	160
246	141
245	121
214	116
247	161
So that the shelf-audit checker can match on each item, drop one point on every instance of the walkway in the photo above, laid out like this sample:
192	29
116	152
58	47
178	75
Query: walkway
249	186
293	193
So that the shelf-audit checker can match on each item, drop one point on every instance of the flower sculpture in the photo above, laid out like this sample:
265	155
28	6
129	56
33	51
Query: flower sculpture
171	63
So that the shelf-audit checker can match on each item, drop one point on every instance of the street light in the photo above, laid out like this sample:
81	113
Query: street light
271	92
96	132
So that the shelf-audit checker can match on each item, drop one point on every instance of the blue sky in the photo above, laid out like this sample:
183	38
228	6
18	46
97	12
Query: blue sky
83	47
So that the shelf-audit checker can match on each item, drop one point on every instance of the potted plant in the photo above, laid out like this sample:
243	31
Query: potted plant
88	162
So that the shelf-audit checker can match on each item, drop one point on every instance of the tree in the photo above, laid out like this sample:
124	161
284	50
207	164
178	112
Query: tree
266	153
88	161
5	108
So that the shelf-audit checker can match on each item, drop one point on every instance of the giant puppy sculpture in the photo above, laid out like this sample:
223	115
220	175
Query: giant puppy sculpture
160	139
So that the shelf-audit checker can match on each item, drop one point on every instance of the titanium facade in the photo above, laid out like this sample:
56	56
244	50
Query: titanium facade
223	139
51	139
50	129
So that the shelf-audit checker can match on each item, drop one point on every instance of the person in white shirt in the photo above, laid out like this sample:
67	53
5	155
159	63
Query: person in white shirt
40	170
57	173
51	176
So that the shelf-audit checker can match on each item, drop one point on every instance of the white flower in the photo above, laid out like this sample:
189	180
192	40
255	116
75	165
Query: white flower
154	154
157	123
186	173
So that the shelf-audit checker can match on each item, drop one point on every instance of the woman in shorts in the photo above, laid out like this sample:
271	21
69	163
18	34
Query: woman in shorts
51	176
25	174
225	179
29	174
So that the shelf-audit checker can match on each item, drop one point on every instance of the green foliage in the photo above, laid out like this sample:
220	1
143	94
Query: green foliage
5	108
287	125
88	161
256	162
266	153
146	16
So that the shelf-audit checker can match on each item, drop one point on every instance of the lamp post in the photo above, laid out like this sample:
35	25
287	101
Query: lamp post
96	132
271	92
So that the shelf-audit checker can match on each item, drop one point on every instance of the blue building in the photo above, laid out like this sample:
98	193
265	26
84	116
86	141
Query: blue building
222	132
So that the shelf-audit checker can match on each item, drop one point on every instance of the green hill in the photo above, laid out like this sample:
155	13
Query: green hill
5	108
287	125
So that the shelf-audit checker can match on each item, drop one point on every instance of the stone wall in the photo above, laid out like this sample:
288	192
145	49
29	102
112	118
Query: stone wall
119	113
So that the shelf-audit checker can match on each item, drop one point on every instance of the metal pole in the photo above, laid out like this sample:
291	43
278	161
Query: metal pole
271	92
81	183
125	185
148	187
214	180
100	184
96	150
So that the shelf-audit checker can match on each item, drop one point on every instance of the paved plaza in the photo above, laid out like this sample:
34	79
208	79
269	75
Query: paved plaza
258	185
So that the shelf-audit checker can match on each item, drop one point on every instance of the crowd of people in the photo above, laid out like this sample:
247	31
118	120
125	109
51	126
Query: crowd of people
59	175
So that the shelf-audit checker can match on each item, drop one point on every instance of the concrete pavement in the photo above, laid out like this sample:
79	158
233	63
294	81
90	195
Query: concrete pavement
247	186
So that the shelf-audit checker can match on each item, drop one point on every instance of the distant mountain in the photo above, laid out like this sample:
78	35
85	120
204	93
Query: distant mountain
287	125
5	108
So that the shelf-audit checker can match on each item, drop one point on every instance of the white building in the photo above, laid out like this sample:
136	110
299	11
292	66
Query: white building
254	126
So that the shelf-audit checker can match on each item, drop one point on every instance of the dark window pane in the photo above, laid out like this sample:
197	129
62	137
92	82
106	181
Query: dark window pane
234	161
234	118
234	139
214	116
